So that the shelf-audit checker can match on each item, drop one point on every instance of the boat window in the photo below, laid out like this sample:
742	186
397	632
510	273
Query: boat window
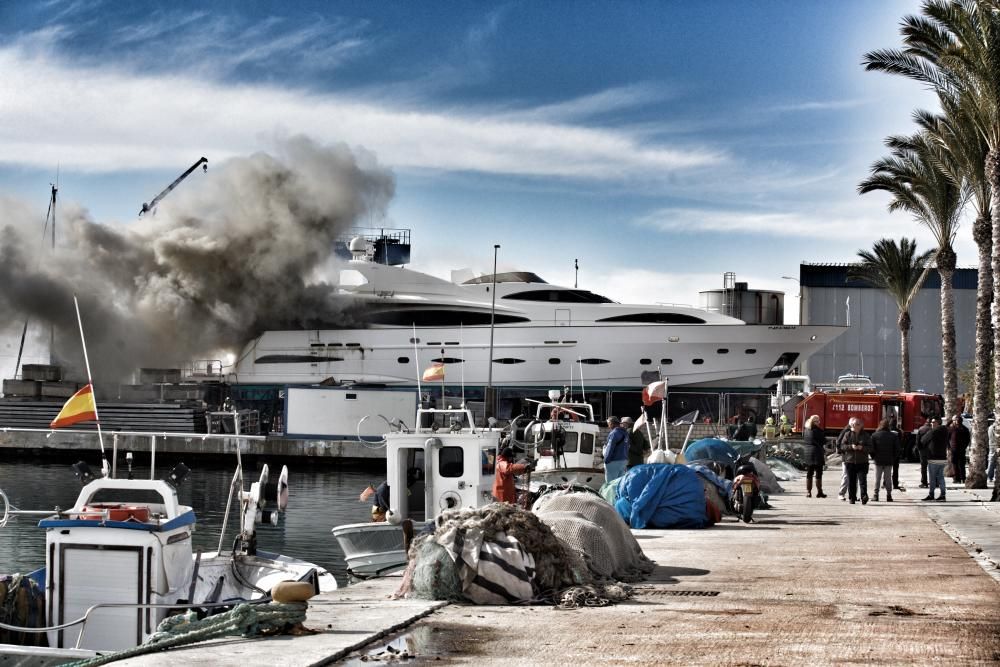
439	318
559	296
782	365
403	360
594	361
655	318
507	277
554	361
645	362
722	350
293	359
508	360
448	360
571	441
586	443
697	362
750	350
143	496
451	462
666	362
489	460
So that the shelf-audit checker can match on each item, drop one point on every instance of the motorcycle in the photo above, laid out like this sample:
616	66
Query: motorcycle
746	490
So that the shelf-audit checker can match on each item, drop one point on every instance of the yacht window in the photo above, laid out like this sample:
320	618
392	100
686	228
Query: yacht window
586	443
782	365
508	277
750	350
655	318
697	362
508	360
414	340
594	362
403	360
448	360
554	360
645	362
722	350
293	359
559	296
666	362
451	462
438	318
317	345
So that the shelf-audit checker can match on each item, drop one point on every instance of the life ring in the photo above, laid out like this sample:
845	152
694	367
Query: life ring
115	512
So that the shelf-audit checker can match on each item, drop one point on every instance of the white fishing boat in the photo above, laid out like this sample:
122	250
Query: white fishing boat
564	439
445	462
121	559
541	331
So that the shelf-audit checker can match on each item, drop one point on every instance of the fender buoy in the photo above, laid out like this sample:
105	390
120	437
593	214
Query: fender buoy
116	512
292	591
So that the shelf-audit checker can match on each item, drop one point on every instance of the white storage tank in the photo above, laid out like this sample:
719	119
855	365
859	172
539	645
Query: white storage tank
737	300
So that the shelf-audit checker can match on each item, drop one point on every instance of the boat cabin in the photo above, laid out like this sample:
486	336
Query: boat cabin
564	439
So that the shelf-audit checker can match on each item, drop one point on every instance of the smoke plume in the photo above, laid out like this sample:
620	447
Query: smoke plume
227	255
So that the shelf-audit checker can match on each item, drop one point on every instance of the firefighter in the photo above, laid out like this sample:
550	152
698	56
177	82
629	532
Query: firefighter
785	428
770	431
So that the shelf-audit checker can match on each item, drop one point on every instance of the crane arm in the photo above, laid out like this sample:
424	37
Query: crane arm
146	208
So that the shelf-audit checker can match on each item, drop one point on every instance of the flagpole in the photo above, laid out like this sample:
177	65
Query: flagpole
90	381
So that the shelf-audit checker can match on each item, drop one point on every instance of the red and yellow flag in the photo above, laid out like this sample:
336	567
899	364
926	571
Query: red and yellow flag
434	372
79	408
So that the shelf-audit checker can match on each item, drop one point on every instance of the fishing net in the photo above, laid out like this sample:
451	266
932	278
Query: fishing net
22	603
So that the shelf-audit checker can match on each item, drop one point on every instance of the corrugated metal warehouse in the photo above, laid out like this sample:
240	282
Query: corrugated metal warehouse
871	344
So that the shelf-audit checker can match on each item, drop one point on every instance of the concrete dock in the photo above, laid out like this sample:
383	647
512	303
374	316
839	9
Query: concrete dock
812	581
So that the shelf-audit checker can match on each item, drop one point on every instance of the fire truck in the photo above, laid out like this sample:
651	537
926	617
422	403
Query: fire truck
911	410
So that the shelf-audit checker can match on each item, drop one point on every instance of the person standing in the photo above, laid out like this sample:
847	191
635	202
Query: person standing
770	430
506	470
784	427
638	447
815	455
937	458
894	427
885	452
842	492
615	450
855	448
923	438
958	443
991	468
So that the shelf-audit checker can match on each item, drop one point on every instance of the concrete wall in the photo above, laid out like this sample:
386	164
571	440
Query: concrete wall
871	344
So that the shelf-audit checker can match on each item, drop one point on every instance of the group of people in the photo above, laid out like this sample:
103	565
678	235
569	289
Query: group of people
858	450
625	447
941	446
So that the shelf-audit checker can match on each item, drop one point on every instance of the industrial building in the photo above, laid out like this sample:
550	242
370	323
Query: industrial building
870	346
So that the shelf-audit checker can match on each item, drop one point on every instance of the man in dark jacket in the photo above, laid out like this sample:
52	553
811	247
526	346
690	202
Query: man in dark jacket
958	443
885	453
936	441
922	450
855	446
638	448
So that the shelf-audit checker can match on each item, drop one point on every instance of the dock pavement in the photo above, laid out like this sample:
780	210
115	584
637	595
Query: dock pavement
811	581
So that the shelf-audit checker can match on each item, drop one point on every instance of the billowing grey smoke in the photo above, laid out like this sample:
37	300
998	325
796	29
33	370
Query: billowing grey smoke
226	256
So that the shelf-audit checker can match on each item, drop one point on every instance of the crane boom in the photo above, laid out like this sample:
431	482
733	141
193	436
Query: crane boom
146	208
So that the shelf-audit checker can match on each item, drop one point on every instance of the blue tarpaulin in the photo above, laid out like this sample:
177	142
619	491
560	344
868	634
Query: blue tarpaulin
711	449
662	495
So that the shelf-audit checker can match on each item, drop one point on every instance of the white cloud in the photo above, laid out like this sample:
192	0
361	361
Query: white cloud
106	119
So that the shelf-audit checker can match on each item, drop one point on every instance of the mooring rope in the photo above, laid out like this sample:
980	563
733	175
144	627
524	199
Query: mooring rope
248	620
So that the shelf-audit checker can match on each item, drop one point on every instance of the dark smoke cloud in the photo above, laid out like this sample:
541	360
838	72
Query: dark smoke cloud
226	256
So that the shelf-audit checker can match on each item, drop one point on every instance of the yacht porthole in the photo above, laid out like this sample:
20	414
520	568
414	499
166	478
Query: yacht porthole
554	360
697	362
666	362
722	350
645	362
403	360
812	338
674	339
750	350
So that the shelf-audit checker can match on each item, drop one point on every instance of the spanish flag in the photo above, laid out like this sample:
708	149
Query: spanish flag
434	372
79	408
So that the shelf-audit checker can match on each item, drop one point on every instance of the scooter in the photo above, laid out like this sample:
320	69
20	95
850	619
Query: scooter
746	490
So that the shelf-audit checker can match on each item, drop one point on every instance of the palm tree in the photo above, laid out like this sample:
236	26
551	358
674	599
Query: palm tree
954	49
913	177
963	157
901	271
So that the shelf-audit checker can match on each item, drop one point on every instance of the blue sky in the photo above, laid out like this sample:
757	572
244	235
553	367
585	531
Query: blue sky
660	143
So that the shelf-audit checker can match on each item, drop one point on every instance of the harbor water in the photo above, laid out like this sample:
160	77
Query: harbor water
320	498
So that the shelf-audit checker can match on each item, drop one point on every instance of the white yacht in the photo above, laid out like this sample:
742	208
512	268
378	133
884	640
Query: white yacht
396	321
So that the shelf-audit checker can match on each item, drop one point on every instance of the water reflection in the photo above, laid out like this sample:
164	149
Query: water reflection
321	497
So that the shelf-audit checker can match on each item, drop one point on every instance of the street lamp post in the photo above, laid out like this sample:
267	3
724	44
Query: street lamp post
797	296
490	398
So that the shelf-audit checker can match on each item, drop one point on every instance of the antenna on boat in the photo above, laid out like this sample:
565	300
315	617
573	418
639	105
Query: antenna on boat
576	272
583	390
105	468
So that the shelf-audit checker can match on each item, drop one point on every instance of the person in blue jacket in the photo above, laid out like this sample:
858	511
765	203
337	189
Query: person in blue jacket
615	450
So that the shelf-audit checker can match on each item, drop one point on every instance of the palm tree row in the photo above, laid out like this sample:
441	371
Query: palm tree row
953	47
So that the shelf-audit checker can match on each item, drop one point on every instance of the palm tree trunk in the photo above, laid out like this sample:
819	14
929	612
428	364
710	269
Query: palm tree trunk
982	233
946	269
993	176
904	347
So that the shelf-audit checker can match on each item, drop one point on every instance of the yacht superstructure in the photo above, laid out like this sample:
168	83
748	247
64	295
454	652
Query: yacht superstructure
397	321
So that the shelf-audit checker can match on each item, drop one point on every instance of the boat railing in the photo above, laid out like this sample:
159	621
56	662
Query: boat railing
126	605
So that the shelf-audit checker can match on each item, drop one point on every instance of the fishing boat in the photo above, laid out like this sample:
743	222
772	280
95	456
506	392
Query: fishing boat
444	462
121	559
564	439
543	330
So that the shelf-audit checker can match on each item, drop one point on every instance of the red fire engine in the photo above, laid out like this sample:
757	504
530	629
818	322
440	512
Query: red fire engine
911	410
